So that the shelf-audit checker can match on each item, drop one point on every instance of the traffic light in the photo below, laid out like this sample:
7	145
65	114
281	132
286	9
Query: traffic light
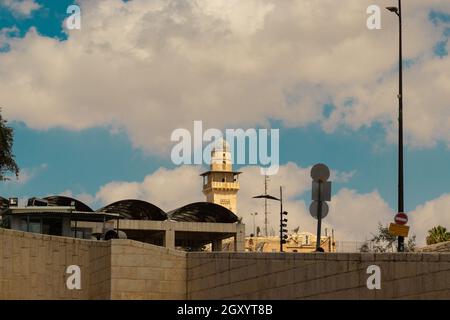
283	227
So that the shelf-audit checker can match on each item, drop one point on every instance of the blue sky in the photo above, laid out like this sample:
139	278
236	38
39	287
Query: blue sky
84	161
59	158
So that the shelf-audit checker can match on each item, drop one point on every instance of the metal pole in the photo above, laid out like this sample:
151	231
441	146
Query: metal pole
319	218
400	127
265	206
281	219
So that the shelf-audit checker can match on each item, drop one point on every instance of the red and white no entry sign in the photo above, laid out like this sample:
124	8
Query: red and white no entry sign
401	218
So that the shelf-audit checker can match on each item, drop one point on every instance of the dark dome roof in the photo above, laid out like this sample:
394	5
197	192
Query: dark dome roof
64	201
135	210
203	212
3	202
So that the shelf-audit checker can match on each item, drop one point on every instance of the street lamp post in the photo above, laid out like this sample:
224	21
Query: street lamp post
266	196
398	12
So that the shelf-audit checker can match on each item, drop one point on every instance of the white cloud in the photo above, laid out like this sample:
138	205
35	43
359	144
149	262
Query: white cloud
168	189
342	177
356	216
20	7
83	197
431	214
26	175
153	66
353	216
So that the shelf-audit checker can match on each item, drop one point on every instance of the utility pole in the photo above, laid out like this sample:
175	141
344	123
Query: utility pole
283	222
266	180
401	208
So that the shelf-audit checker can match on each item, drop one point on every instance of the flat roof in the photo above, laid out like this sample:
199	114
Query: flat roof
53	211
219	171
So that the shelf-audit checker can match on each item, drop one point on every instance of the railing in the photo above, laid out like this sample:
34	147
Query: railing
351	246
222	185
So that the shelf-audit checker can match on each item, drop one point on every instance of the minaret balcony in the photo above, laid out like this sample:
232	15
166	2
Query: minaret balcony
222	185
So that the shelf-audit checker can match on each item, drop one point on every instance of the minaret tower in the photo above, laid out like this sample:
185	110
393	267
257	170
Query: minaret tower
220	184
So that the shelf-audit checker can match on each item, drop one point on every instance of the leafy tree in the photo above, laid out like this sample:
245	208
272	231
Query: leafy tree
383	241
411	244
7	162
437	234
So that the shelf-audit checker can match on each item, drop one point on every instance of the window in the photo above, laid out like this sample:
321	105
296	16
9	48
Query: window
80	234
52	226
30	225
35	225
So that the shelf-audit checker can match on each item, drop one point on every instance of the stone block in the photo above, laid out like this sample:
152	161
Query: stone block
178	287
149	273
241	274
354	257
367	256
413	256
353	265
285	278
128	285
346	280
384	256
430	257
408	286
126	260
332	256
124	273
342	256
175	274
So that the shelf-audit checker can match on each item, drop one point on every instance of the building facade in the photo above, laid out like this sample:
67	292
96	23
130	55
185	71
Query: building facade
296	242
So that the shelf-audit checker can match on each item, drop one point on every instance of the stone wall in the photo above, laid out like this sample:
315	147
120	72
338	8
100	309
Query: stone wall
145	271
317	276
33	266
438	247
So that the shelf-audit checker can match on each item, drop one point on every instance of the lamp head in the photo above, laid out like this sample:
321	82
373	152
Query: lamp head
393	9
